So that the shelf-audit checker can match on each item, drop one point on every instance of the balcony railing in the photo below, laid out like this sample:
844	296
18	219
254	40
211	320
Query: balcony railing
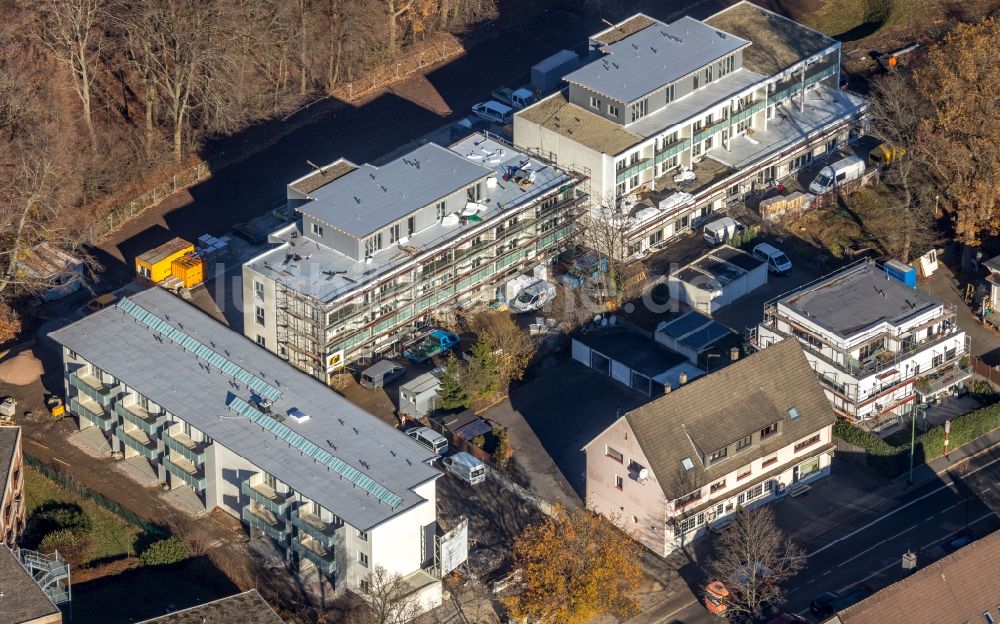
263	520
265	496
323	532
794	89
87	409
187	448
632	170
186	472
323	558
136	415
138	441
101	393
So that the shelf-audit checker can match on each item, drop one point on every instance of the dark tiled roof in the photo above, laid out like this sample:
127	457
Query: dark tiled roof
22	600
958	588
719	409
245	608
8	444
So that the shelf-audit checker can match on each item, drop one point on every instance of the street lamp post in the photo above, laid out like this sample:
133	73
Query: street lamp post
913	437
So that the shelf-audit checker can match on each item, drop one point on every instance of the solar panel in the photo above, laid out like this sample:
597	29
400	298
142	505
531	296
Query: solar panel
312	450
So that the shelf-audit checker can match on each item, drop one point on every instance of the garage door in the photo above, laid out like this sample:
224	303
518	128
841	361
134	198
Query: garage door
581	353
621	372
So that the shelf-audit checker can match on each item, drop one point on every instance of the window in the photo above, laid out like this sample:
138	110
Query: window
258	290
270	481
613	111
669	94
688	524
619	482
808	467
708	143
373	244
755	491
317	229
744	472
770	112
769	461
620	188
655	237
694	84
715	487
595	103
743	126
633	181
690	498
769	430
988	617
639	109
260	340
144	271
621	165
743	443
258	314
614	454
696	150
411	226
362	535
440	209
687	464
708	74
793	413
474	192
717	455
394	233
363	558
365	585
807	442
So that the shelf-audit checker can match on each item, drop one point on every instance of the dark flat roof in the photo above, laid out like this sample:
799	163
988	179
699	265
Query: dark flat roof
637	352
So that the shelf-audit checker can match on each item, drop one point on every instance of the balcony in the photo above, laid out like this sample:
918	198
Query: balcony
139	417
323	532
88	410
185	471
98	391
187	448
266	522
138	441
323	558
265	496
628	172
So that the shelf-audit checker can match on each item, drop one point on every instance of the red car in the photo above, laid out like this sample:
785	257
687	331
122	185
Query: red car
715	598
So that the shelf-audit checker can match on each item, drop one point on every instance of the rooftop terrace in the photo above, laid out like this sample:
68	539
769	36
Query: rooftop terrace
857	299
326	274
557	114
205	374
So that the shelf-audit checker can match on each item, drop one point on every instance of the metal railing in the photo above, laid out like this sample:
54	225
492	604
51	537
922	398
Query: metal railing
102	420
276	503
196	479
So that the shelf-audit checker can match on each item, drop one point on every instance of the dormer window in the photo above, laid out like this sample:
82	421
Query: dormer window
717	455
373	244
595	103
639	109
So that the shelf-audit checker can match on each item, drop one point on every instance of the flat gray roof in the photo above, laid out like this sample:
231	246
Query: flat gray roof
187	386
856	299
245	608
654	57
22	600
307	276
637	352
371	197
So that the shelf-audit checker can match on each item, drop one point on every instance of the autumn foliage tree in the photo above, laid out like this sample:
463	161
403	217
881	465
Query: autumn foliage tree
574	565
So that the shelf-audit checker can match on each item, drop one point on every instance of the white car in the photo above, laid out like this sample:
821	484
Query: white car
534	297
494	112
777	262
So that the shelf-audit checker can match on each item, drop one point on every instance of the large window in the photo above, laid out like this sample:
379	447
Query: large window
639	109
808	467
688	524
440	209
807	442
743	443
373	244
614	454
769	430
717	455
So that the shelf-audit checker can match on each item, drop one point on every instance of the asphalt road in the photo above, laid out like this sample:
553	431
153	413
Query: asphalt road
869	549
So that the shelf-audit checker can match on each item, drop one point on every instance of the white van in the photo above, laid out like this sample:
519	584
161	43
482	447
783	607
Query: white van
777	262
837	174
494	112
465	467
721	230
429	438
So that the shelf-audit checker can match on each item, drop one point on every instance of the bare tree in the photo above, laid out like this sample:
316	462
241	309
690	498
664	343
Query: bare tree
390	599
72	29
604	230
753	558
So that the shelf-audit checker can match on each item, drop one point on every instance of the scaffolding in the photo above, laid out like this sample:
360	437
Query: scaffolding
50	573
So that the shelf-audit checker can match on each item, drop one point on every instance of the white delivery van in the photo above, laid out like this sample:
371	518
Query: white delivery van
777	262
534	297
429	438
837	174
494	112
465	467
721	230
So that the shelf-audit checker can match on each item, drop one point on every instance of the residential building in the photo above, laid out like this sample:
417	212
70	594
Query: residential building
692	115
380	251
229	426
956	588
12	507
245	608
740	437
874	342
22	600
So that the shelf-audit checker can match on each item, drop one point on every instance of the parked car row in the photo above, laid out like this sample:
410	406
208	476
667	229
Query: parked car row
461	464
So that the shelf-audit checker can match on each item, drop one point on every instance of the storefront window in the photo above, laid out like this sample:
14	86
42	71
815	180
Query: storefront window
808	467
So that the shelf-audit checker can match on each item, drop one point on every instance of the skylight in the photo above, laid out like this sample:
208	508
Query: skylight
793	413
687	463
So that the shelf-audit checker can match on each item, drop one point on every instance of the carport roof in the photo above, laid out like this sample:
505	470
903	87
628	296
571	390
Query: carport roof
637	352
694	330
719	409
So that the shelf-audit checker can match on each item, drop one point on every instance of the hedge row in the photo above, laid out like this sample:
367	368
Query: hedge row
893	461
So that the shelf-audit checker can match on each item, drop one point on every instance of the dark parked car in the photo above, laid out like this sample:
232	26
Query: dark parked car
829	603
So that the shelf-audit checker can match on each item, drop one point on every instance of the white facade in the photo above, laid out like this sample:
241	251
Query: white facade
880	368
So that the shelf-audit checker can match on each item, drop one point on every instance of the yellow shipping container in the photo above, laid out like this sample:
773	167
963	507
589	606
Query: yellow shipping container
156	265
189	269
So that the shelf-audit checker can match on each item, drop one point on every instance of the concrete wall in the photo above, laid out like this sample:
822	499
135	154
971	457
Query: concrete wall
568	153
645	506
250	301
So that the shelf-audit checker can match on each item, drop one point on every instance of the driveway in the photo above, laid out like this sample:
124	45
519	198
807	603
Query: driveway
748	311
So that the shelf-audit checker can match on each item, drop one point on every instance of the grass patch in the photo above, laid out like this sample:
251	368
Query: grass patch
849	20
108	536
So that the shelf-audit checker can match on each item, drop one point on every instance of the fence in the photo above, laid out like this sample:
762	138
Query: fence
428	53
981	368
78	488
121	214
